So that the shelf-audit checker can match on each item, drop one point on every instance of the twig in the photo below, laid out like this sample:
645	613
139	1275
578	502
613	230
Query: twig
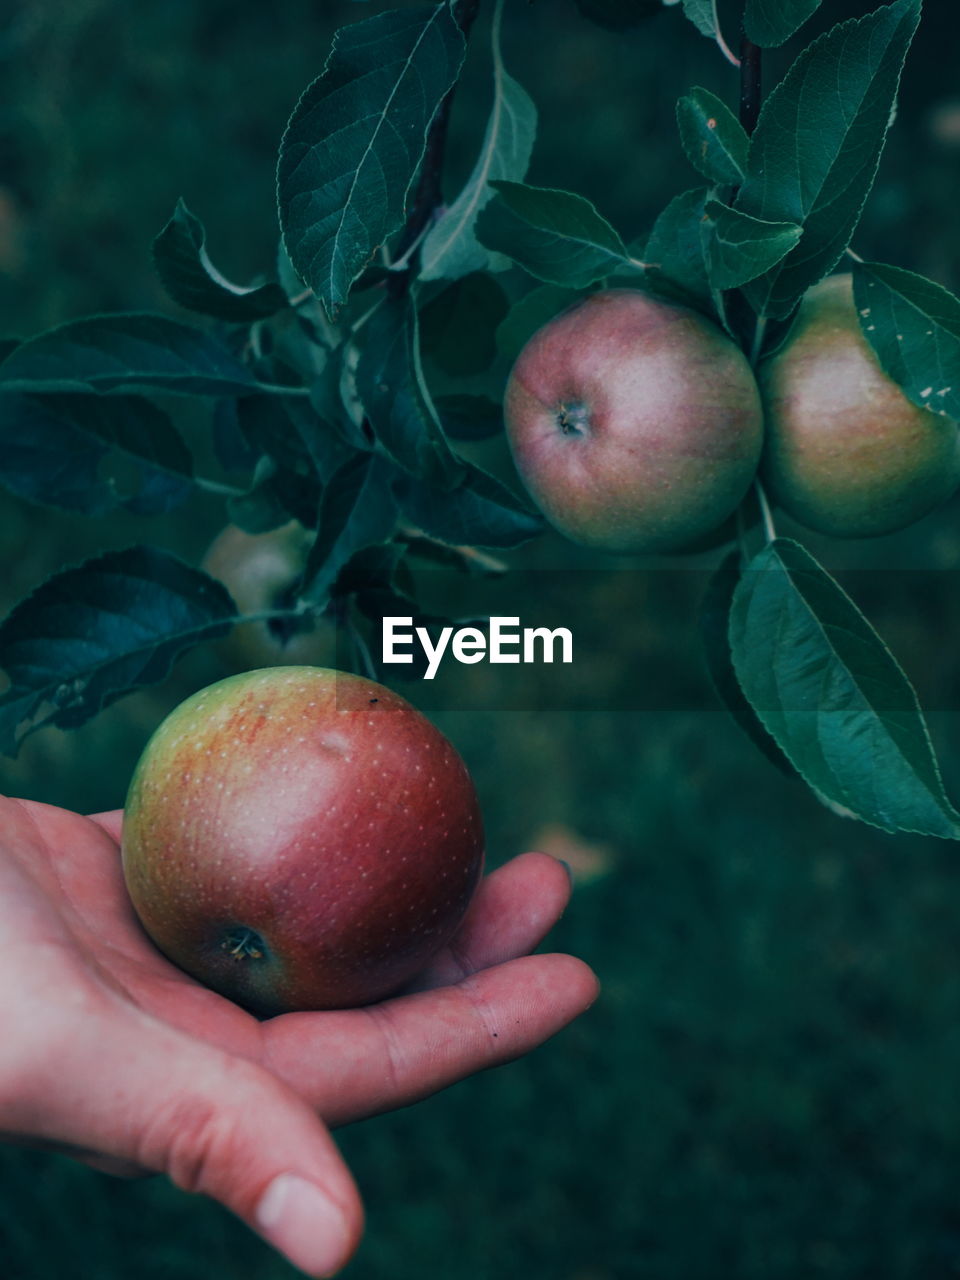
484	562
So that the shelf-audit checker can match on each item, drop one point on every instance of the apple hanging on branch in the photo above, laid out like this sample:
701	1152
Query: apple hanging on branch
847	453
634	416
635	424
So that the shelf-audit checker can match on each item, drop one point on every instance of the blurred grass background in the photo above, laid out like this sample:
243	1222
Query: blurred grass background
768	1089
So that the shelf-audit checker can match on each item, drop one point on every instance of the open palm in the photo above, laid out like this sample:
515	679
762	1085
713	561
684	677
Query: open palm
114	1054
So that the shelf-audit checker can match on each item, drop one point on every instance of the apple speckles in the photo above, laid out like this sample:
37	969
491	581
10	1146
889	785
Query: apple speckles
341	810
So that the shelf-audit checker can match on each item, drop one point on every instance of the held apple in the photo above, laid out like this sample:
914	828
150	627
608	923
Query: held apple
298	838
847	454
258	569
634	423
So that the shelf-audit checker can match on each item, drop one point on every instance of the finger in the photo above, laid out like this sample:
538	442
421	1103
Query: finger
511	913
103	1164
111	822
394	1053
136	1091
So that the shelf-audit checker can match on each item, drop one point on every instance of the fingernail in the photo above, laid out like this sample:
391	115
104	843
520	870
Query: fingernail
568	869
304	1224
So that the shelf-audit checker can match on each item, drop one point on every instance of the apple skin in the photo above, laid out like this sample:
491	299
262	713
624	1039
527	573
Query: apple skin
634	423
258	569
847	453
299	838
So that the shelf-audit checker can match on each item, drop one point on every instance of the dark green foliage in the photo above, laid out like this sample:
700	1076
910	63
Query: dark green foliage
715	630
479	510
836	101
771	22
677	253
458	326
53	447
357	510
832	696
351	150
619	15
766	1090
557	236
914	327
93	633
122	353
395	399
190	278
713	138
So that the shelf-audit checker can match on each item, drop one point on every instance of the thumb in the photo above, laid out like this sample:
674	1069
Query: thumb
136	1090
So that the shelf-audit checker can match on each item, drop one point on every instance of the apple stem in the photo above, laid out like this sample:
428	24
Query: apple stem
769	528
759	332
725	49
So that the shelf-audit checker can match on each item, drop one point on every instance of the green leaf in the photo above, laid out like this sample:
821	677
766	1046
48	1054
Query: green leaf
480	511
676	251
191	279
531	313
914	327
451	248
352	148
458	326
123	353
357	511
391	389
291	433
554	235
770	23
53	449
619	15
715	633
470	417
828	690
377	568
229	445
273	497
835	105
303	451
703	15
95	632
714	140
740	248
298	452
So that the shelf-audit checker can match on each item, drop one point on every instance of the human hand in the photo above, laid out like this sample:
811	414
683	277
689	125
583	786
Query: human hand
111	1053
